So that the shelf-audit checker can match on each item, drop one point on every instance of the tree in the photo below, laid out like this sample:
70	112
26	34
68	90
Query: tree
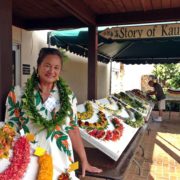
168	74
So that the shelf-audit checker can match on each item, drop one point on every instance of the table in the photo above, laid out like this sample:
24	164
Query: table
169	99
114	170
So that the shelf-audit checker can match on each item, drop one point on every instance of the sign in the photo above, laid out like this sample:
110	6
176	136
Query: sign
141	32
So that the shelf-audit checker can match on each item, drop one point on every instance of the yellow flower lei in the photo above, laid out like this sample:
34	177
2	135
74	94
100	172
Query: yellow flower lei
88	114
101	124
45	167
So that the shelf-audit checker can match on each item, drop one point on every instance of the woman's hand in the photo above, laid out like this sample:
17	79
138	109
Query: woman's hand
79	148
87	167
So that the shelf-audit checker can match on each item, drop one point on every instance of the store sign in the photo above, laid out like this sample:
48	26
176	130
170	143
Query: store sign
140	32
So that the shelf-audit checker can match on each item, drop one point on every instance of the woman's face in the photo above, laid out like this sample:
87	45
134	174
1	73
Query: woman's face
50	68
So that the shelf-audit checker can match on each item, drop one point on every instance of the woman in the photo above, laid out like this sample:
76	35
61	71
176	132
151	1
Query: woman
46	108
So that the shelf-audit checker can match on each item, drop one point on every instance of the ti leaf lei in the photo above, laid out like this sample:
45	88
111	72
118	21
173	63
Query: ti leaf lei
28	102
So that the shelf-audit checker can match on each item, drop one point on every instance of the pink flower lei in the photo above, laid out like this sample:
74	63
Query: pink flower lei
19	161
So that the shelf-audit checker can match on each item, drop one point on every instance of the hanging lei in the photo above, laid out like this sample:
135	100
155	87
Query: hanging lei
19	161
102	123
45	167
28	104
7	134
88	114
109	135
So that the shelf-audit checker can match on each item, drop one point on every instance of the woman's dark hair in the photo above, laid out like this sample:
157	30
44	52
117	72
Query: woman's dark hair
48	51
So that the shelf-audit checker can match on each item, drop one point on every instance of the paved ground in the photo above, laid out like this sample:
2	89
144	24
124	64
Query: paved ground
162	152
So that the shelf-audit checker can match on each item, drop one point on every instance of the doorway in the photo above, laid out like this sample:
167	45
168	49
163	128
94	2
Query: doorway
16	65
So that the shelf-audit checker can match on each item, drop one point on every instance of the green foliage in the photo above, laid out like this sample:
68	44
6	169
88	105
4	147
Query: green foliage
168	74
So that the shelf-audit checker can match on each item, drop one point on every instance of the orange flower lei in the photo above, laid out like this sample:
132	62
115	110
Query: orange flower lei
7	134
45	167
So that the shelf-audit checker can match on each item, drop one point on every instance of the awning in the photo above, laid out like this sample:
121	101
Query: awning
151	51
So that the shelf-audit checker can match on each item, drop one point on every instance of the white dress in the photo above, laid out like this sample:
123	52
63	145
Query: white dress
62	154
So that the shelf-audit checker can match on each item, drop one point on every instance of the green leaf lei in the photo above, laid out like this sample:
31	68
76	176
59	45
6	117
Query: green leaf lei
28	103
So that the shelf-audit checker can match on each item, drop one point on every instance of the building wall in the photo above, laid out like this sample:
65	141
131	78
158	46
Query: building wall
74	70
75	73
16	35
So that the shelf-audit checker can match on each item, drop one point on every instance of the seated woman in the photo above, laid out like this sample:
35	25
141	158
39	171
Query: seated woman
46	108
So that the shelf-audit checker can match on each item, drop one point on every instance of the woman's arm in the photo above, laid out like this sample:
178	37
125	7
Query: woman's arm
79	148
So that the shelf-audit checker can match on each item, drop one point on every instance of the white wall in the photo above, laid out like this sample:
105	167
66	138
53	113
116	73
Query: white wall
16	35
32	42
74	70
133	74
75	73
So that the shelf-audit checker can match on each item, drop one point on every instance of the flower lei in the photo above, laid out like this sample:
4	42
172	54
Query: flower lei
32	112
45	167
64	176
108	135
112	111
88	114
139	120
101	124
7	134
130	101
19	161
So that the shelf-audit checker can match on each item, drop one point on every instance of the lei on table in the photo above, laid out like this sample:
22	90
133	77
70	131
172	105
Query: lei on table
139	94
45	167
7	134
35	116
109	109
108	135
139	120
19	161
102	122
88	114
130	101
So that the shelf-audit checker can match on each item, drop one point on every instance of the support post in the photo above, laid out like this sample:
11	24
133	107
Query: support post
5	52
92	62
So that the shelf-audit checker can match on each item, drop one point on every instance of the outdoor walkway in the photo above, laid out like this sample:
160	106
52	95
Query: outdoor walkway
162	152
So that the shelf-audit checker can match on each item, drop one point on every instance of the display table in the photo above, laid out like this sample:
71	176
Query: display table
114	157
114	170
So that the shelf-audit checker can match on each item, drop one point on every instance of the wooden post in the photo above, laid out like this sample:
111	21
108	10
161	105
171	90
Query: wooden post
92	62
5	52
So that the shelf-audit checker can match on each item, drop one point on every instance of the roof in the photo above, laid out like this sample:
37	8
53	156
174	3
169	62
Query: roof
151	51
59	14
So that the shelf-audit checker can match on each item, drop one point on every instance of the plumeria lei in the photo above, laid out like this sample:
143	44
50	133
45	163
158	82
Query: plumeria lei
7	134
35	116
109	135
19	161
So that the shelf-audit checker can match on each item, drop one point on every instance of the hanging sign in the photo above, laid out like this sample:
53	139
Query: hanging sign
140	32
